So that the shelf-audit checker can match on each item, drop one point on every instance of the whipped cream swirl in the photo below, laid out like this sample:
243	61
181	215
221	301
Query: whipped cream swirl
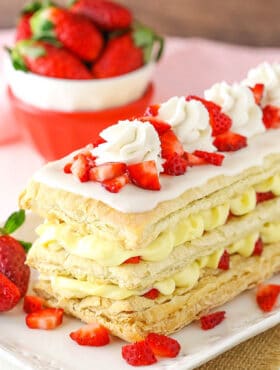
269	75
129	142
189	121
238	102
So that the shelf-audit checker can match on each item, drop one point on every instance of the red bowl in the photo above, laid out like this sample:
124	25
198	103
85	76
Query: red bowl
55	134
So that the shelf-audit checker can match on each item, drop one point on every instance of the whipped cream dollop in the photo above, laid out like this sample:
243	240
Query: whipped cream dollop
189	121
269	75
238	102
129	142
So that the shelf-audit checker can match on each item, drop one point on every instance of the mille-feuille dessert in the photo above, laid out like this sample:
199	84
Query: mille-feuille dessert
166	216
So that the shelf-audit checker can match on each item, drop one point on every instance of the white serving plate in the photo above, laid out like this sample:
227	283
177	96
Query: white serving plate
22	348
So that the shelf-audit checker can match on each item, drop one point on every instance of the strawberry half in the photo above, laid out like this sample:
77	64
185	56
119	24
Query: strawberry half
267	296
93	335
160	126
263	197
258	248
224	261
107	171
32	304
138	354
271	117
144	175
151	294
133	260
258	91
9	294
170	145
116	184
230	142
46	319
193	160
162	345
213	158
210	321
175	165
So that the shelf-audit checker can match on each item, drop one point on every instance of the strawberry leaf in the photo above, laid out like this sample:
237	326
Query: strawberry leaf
14	221
26	245
31	7
41	26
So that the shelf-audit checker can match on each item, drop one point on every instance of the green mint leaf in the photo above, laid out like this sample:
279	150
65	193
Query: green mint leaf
26	245
14	221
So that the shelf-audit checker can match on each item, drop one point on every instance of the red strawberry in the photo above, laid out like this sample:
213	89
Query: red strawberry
213	158
23	31
175	165
9	294
193	160
107	171
120	56
133	260
160	126
162	345
170	145
152	110
210	321
144	175
98	141
94	335
262	197
230	142
207	103
258	91
258	248
80	168
267	296
151	294
47	319
107	15
47	60
67	28
224	261
12	262
271	116
138	354
67	168
116	184
32	304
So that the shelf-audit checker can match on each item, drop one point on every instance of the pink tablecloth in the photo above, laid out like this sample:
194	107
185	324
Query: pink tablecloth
189	66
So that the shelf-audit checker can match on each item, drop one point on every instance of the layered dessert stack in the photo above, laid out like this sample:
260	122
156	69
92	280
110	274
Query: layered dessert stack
168	215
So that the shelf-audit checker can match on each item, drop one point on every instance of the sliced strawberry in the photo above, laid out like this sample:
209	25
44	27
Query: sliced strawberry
80	167
94	335
138	354
67	168
152	110
207	103
271	117
224	261
162	345
193	160
151	294
258	91
267	296
133	260
116	184
170	145
160	126
98	141
175	165
47	318
144	175
210	321
107	171
263	197
230	142
213	158
9	294
32	304
258	248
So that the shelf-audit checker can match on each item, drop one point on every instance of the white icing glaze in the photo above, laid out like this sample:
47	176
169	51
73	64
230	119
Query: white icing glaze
129	142
238	102
189	121
132	199
269	75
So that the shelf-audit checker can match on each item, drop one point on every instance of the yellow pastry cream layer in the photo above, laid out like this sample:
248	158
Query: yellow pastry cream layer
109	254
71	288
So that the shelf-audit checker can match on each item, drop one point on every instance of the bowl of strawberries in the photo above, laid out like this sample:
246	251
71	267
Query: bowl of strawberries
74	71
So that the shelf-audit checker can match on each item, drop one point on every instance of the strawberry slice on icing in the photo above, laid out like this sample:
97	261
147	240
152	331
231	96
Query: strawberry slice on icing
152	110
170	144
258	91
94	335
271	117
116	184
107	171
160	126
193	160
212	158
230	142
144	175
175	165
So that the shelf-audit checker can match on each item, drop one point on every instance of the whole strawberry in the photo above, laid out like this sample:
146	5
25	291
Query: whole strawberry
107	15
47	60
76	32
23	30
